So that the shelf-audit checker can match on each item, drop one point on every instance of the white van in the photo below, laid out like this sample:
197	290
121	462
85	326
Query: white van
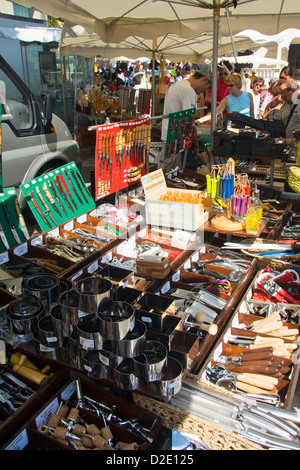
34	141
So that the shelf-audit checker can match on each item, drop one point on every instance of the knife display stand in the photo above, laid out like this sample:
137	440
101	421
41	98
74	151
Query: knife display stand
13	229
121	154
57	196
180	132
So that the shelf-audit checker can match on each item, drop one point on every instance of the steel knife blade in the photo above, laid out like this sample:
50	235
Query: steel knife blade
38	209
72	186
3	238
21	220
52	187
50	198
73	173
47	210
11	225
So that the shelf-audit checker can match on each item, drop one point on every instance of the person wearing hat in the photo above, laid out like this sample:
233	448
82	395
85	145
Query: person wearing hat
183	95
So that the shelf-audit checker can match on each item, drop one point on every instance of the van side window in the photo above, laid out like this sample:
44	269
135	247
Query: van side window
16	103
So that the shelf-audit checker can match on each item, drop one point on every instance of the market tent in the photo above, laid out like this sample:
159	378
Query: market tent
118	20
76	41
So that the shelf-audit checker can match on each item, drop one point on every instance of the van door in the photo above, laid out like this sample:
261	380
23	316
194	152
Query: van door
21	127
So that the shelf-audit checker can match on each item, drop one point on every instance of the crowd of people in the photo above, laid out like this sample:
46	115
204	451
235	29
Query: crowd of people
180	87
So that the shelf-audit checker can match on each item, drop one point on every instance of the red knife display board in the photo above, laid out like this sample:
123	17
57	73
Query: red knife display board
121	154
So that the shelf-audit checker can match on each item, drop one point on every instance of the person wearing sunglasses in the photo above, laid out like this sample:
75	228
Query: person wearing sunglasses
237	100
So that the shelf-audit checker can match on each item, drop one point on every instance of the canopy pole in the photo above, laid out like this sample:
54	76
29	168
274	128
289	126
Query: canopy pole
153	76
230	32
216	26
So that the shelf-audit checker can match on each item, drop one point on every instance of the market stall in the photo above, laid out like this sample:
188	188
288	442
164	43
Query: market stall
127	326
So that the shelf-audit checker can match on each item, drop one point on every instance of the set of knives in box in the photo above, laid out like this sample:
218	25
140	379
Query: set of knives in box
58	196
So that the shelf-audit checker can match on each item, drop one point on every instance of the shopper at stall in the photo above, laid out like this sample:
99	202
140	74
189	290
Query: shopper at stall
290	110
257	85
222	89
247	82
237	101
271	110
183	95
286	72
266	98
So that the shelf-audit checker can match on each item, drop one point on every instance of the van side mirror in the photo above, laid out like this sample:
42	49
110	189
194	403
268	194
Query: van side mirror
46	110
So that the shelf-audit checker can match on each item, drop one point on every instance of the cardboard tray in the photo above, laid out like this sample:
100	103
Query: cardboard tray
170	214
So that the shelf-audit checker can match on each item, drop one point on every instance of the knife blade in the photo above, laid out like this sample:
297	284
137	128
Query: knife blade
72	186
3	238
73	173
21	220
63	181
11	225
38	209
58	183
47	209
50	198
79	176
54	192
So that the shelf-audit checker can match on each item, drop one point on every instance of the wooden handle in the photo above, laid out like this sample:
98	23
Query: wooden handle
47	193
258	380
261	323
212	328
250	388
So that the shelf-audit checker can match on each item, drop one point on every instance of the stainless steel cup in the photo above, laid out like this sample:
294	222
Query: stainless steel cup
23	315
93	293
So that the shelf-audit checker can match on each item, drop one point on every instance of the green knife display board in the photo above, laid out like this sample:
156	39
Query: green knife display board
13	230
180	131
58	196
1	172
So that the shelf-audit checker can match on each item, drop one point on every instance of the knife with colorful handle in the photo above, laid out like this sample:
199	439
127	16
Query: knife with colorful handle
50	198
63	182
60	188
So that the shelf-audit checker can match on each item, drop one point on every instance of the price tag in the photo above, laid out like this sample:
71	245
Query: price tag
93	267
165	288
21	249
4	258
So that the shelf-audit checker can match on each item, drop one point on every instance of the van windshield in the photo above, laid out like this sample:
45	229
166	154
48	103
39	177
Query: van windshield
15	102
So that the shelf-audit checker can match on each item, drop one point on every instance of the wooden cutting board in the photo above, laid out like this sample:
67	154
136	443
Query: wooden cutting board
222	223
